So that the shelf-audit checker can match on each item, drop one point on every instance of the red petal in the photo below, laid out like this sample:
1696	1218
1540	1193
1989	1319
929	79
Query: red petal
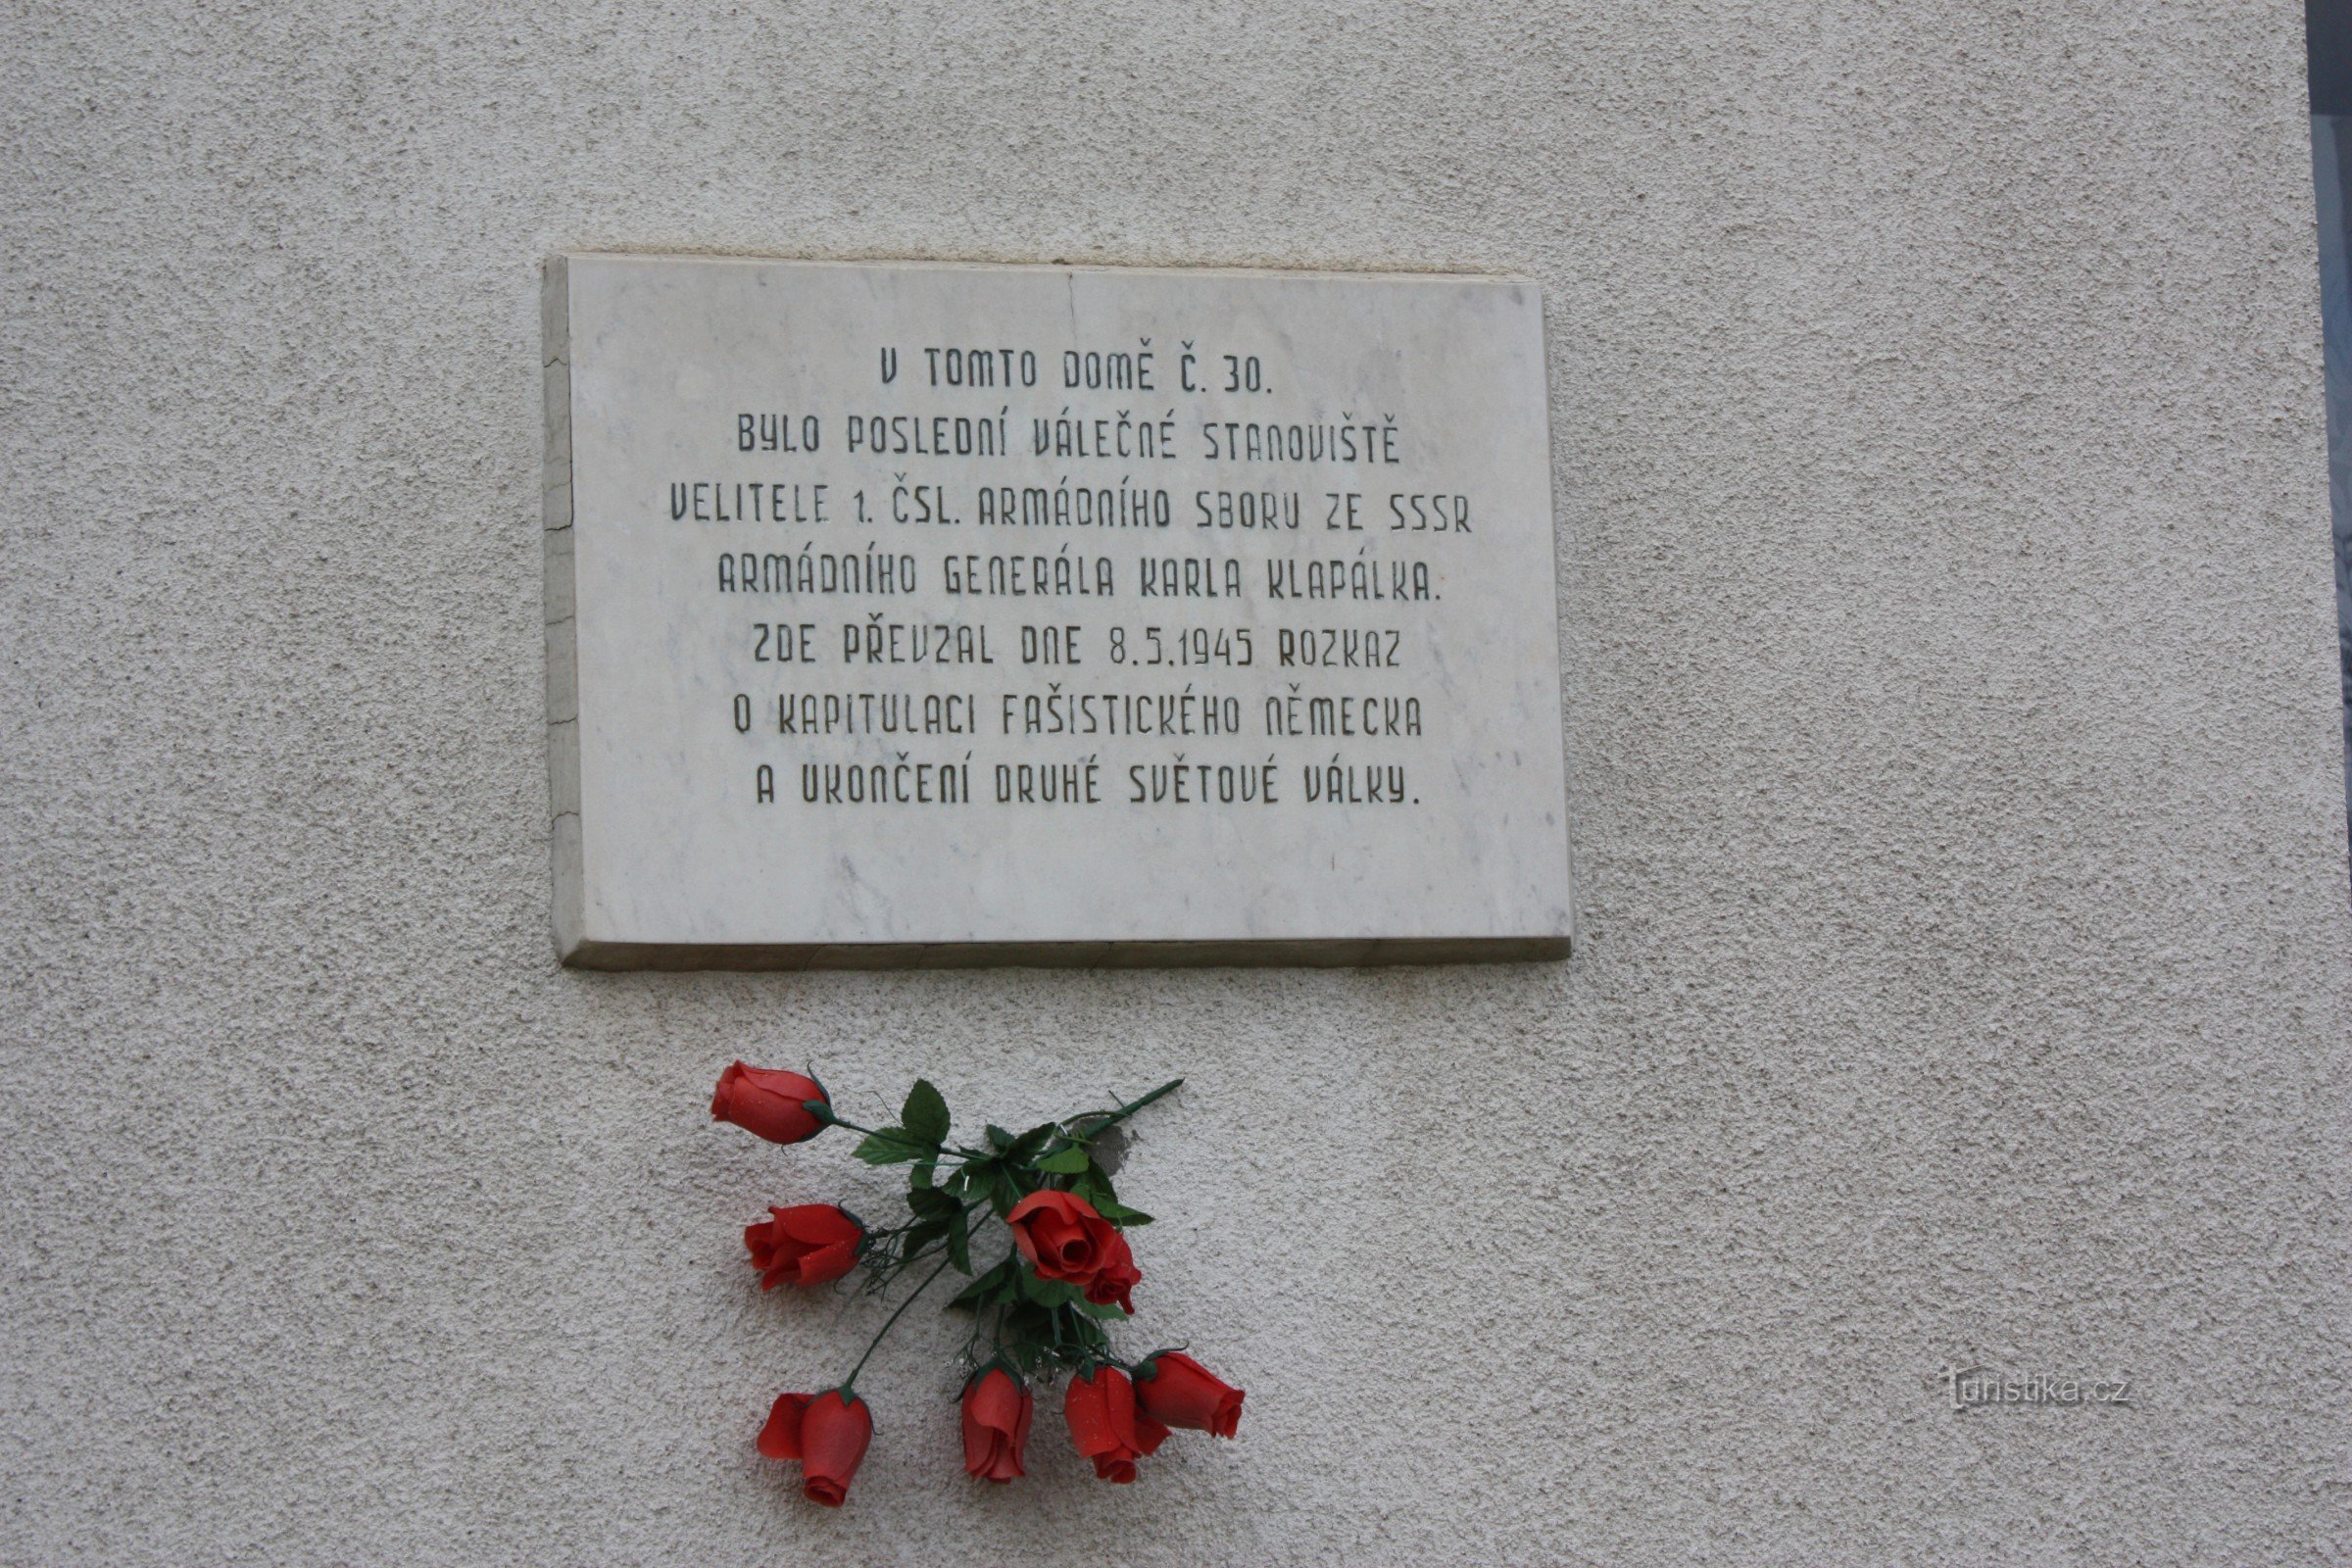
1113	1283
817	1224
1182	1392
780	1439
829	1263
1086	1408
1048	1202
726	1088
995	1401
834	1435
979	1443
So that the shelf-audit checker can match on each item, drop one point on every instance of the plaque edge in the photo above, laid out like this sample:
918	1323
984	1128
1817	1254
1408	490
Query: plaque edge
941	264
576	948
1282	952
567	847
1559	620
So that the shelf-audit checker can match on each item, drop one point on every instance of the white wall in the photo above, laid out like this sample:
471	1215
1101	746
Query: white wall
1955	758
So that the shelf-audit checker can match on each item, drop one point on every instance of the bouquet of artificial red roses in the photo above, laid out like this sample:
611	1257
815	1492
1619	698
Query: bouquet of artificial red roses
1046	1303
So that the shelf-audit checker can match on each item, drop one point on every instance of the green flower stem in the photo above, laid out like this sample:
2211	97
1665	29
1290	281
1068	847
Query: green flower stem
850	1383
937	1150
901	1230
884	1273
1112	1118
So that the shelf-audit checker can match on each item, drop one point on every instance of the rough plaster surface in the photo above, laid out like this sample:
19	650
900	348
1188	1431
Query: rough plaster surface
1967	975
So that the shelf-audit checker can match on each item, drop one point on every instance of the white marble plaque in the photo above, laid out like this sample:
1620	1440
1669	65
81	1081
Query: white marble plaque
925	613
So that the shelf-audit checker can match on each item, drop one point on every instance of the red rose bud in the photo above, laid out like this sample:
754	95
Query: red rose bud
827	1433
1176	1391
1062	1236
807	1245
996	1425
1105	1425
768	1102
1114	1276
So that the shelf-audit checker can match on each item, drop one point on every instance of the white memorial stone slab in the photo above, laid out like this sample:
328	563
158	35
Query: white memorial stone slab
925	613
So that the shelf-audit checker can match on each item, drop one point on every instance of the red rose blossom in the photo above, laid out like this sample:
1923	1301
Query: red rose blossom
807	1245
827	1433
996	1408
1114	1276
1062	1236
1176	1391
1105	1425
770	1103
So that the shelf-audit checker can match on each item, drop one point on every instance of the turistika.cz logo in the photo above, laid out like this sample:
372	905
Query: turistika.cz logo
1977	1388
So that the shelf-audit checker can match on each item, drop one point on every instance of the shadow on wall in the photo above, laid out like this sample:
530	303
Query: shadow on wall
2327	30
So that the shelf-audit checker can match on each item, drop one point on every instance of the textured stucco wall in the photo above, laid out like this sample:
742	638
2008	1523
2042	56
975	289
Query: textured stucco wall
1965	976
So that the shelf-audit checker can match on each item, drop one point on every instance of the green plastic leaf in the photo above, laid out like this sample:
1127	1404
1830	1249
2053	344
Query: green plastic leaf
923	1174
889	1147
929	1202
1050	1293
924	1234
982	1290
925	1114
1096	1191
1025	1147
960	1245
1111	1310
1003	1192
997	1136
1068	1162
1028	1322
